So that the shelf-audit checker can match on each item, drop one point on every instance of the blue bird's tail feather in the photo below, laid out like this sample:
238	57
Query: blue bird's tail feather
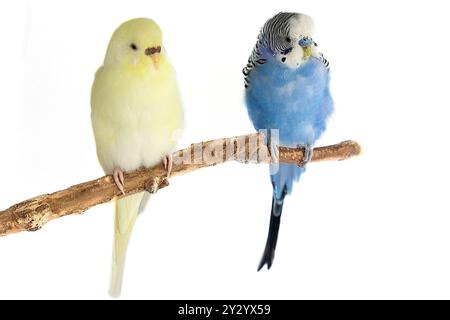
272	237
284	178
282	182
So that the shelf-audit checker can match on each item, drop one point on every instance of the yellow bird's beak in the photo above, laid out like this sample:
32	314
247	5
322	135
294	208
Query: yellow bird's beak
154	53
155	59
307	52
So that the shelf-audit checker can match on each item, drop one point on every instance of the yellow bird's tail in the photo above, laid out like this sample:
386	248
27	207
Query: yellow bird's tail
125	216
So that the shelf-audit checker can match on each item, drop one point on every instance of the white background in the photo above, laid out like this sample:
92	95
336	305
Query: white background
373	227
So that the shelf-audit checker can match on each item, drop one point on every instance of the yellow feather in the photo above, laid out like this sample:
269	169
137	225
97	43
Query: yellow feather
125	215
136	117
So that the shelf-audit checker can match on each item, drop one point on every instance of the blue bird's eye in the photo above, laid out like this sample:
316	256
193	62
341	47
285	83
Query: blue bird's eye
304	42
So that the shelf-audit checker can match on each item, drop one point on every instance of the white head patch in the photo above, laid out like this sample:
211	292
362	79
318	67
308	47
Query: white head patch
301	26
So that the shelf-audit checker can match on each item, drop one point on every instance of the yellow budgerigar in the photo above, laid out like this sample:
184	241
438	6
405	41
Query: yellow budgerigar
136	117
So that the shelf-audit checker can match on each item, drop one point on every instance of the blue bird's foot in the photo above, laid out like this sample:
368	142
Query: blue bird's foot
307	154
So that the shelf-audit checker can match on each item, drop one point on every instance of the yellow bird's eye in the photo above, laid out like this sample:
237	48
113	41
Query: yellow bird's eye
133	46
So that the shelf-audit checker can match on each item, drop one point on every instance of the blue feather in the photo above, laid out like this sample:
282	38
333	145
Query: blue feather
297	102
285	177
294	101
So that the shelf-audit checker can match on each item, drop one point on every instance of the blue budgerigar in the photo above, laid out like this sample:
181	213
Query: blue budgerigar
287	89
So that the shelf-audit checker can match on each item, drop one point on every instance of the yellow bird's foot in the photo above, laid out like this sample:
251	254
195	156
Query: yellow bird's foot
168	164
119	179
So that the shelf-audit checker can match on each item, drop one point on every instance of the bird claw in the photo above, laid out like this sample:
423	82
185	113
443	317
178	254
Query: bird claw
307	154
119	179
164	183
155	184
168	164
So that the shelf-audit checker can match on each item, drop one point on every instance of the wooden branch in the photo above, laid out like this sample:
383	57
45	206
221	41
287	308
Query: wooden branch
32	214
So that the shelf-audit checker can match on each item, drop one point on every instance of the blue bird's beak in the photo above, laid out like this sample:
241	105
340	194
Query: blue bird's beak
306	44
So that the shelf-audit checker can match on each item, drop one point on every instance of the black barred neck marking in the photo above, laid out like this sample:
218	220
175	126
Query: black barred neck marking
274	37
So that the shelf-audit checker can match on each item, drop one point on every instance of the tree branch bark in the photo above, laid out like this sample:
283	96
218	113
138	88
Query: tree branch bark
32	214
